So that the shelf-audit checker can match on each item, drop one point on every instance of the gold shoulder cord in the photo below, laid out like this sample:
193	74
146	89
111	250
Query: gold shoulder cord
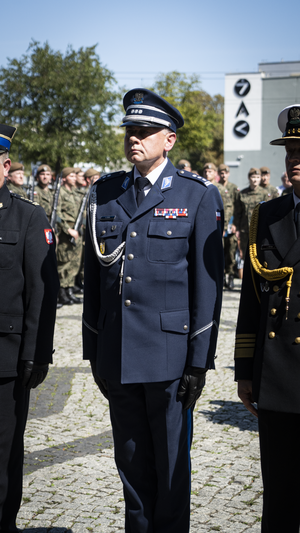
270	275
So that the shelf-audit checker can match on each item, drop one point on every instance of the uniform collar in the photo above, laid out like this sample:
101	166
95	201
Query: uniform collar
154	174
4	197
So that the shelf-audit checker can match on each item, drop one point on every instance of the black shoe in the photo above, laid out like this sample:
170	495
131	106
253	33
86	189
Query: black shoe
63	298
79	284
77	289
72	297
231	282
58	306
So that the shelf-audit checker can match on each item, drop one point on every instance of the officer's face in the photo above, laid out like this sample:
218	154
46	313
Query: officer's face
292	160
147	147
210	174
4	168
44	177
17	177
254	180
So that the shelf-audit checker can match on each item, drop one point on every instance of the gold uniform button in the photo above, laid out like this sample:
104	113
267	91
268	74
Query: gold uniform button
130	257
169	232
113	228
127	303
265	264
275	288
298	316
271	335
274	311
128	279
185	327
297	340
133	234
103	232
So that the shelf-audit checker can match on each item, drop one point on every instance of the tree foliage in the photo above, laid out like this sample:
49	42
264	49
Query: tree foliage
63	106
201	138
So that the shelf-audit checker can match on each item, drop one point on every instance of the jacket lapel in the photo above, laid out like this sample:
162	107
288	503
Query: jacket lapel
283	230
128	200
155	196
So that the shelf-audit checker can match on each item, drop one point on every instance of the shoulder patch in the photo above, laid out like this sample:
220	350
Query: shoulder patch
195	177
112	175
15	195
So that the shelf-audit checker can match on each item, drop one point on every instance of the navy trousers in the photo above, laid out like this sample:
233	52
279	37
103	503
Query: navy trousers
152	438
14	402
279	435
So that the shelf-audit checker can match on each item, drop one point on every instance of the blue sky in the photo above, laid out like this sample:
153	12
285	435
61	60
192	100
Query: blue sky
139	40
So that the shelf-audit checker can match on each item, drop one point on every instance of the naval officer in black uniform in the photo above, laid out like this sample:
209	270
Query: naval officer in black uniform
267	354
153	288
29	286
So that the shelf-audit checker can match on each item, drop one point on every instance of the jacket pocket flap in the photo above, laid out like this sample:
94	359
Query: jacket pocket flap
11	324
9	236
175	321
108	229
172	229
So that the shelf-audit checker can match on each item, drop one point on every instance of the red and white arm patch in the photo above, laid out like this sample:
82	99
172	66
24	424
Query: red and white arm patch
49	236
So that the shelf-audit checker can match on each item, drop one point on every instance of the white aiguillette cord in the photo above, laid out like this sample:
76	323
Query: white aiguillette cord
104	260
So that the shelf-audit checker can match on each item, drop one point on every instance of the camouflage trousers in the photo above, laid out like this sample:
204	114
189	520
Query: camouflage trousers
230	244
68	260
244	243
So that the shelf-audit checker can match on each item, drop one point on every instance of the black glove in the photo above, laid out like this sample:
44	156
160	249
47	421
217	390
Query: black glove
99	381
191	385
33	374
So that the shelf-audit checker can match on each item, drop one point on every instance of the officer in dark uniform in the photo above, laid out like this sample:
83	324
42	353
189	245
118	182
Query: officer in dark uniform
153	289
29	286
267	354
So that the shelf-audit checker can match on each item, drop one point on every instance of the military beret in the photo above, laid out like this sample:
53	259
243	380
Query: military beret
289	124
253	171
43	168
16	166
66	171
145	108
91	172
210	165
183	163
264	170
6	136
77	170
223	167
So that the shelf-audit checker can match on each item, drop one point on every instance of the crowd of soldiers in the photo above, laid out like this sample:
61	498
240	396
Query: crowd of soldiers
238	209
65	197
72	196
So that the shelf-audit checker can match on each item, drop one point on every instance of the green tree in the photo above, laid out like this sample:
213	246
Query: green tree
201	138
62	105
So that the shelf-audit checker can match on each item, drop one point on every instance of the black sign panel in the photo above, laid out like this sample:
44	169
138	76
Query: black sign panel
241	128
242	87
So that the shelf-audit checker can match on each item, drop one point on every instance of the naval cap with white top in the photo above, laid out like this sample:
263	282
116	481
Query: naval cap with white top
289	124
147	109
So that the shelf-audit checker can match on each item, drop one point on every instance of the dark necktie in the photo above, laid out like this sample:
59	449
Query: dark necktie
297	217
141	184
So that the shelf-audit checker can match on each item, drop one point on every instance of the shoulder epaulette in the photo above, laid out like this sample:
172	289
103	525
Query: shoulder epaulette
15	195
195	177
111	175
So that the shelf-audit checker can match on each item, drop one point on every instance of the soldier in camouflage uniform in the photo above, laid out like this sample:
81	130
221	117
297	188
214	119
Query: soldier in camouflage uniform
265	183
68	255
229	192
42	194
210	173
246	200
80	189
15	179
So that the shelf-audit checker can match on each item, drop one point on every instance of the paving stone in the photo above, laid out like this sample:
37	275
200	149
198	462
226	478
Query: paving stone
71	484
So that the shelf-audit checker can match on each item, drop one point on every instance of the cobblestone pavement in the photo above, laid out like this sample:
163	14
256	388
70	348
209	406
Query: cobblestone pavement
70	480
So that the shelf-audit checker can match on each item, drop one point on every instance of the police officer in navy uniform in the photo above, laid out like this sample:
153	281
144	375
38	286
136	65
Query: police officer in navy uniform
153	289
267	354
29	286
